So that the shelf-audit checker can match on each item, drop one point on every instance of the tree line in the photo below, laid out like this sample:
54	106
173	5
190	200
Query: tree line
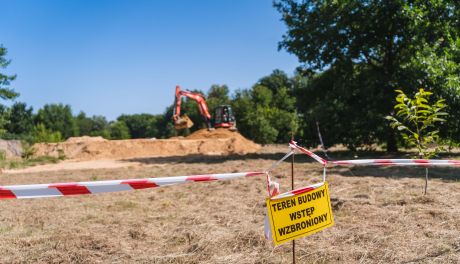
265	113
353	56
56	122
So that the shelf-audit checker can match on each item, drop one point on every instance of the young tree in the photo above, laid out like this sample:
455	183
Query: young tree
417	119
364	50
42	134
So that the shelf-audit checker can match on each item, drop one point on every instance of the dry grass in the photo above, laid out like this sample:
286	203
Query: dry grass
378	219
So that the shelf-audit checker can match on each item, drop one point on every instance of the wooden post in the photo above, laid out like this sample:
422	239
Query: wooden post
426	180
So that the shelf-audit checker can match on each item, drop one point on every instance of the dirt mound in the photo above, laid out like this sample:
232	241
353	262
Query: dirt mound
237	143
217	133
202	142
85	139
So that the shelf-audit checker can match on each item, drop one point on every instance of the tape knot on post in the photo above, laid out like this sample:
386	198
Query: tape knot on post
294	146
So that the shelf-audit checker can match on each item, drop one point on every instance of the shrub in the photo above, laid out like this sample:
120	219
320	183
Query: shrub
416	119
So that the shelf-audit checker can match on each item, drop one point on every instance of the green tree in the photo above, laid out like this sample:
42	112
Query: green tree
165	125
21	119
219	92
345	112
84	124
140	125
4	119
92	126
5	91
99	126
362	51
57	118
266	113
42	134
443	70
119	130
217	95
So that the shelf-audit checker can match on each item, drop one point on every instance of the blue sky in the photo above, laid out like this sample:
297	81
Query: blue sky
114	57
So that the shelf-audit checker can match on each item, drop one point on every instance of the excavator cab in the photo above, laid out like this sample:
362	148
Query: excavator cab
223	117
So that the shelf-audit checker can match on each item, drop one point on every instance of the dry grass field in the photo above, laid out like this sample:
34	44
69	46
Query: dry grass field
381	216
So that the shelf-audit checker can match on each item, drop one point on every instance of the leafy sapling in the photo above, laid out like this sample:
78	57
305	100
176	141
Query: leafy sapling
416	120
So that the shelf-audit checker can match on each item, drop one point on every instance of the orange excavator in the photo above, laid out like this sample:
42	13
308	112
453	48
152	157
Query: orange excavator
223	117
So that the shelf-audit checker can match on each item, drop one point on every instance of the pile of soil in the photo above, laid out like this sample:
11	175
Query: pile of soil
217	133
85	139
202	142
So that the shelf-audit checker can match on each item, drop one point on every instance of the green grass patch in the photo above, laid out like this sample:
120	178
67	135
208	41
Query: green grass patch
23	163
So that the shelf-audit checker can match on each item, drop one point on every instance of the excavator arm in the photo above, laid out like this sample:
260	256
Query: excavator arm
185	122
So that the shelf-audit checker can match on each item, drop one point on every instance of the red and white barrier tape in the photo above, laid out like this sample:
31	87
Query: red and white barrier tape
294	145
298	191
93	187
381	162
276	164
399	162
272	186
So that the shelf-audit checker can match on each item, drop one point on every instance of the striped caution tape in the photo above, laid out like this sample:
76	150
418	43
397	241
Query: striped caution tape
93	187
298	191
398	162
272	186
381	162
294	145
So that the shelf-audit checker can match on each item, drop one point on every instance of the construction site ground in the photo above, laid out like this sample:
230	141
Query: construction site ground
381	214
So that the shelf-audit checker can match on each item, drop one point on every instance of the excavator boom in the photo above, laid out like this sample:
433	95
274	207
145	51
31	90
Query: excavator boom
184	121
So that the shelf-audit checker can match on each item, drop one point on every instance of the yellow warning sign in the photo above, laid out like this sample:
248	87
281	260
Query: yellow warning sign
300	215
